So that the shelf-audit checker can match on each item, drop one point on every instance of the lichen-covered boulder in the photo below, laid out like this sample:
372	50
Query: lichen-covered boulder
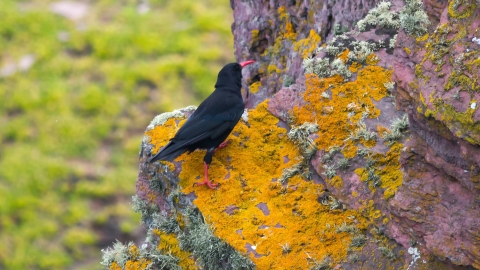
358	150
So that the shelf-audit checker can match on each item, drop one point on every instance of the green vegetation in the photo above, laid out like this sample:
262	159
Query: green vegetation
71	124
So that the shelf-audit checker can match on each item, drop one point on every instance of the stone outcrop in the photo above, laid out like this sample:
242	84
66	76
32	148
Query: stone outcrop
360	148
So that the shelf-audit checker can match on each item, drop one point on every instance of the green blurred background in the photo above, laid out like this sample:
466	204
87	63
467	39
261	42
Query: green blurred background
79	83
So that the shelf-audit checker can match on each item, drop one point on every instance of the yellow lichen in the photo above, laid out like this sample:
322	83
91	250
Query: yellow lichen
273	69
343	55
287	29
307	45
168	244
160	135
461	9
115	266
134	263
391	176
254	87
247	171
354	67
463	78
137	265
372	59
336	128
336	181
254	34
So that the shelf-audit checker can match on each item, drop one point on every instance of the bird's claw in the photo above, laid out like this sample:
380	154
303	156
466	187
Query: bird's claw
207	183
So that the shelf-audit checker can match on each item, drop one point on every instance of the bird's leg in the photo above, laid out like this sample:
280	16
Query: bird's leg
206	162
223	145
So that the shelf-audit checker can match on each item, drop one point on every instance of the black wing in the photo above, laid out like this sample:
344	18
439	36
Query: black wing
215	116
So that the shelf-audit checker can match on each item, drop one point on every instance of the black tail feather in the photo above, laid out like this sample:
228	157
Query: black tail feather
168	153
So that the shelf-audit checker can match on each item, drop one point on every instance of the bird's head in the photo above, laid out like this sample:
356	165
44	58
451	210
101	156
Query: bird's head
231	75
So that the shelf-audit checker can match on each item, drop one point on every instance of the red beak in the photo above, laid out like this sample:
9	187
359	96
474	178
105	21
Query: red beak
246	63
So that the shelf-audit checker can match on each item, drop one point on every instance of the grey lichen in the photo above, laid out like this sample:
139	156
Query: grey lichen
353	258
328	156
318	66
162	118
389	86
363	152
361	49
345	228
287	81
341	69
373	178
413	18
330	171
381	16
118	253
358	240
144	208
210	251
299	168
392	42
121	254
299	135
387	252
343	164
362	132
286	248
319	264
331	201
398	127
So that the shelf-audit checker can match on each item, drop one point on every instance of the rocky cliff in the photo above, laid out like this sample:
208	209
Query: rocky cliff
359	149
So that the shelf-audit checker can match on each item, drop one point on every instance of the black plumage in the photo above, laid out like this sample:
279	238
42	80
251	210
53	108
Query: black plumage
213	120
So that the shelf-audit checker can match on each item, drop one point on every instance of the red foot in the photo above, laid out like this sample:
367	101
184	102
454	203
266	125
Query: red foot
223	145
205	179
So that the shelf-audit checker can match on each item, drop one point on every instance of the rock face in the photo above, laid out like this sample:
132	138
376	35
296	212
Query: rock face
360	149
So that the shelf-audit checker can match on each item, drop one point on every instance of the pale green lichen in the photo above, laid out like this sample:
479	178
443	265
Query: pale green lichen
343	164
362	132
344	227
118	253
392	42
162	118
361	50
341	69
128	256
389	86
144	208
299	168
331	201
317	66
287	80
387	252
412	18
381	16
358	240
363	152
330	49
299	135
397	128
353	258
330	171
209	250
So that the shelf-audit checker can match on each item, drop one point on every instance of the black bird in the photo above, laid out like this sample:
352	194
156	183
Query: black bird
212	122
